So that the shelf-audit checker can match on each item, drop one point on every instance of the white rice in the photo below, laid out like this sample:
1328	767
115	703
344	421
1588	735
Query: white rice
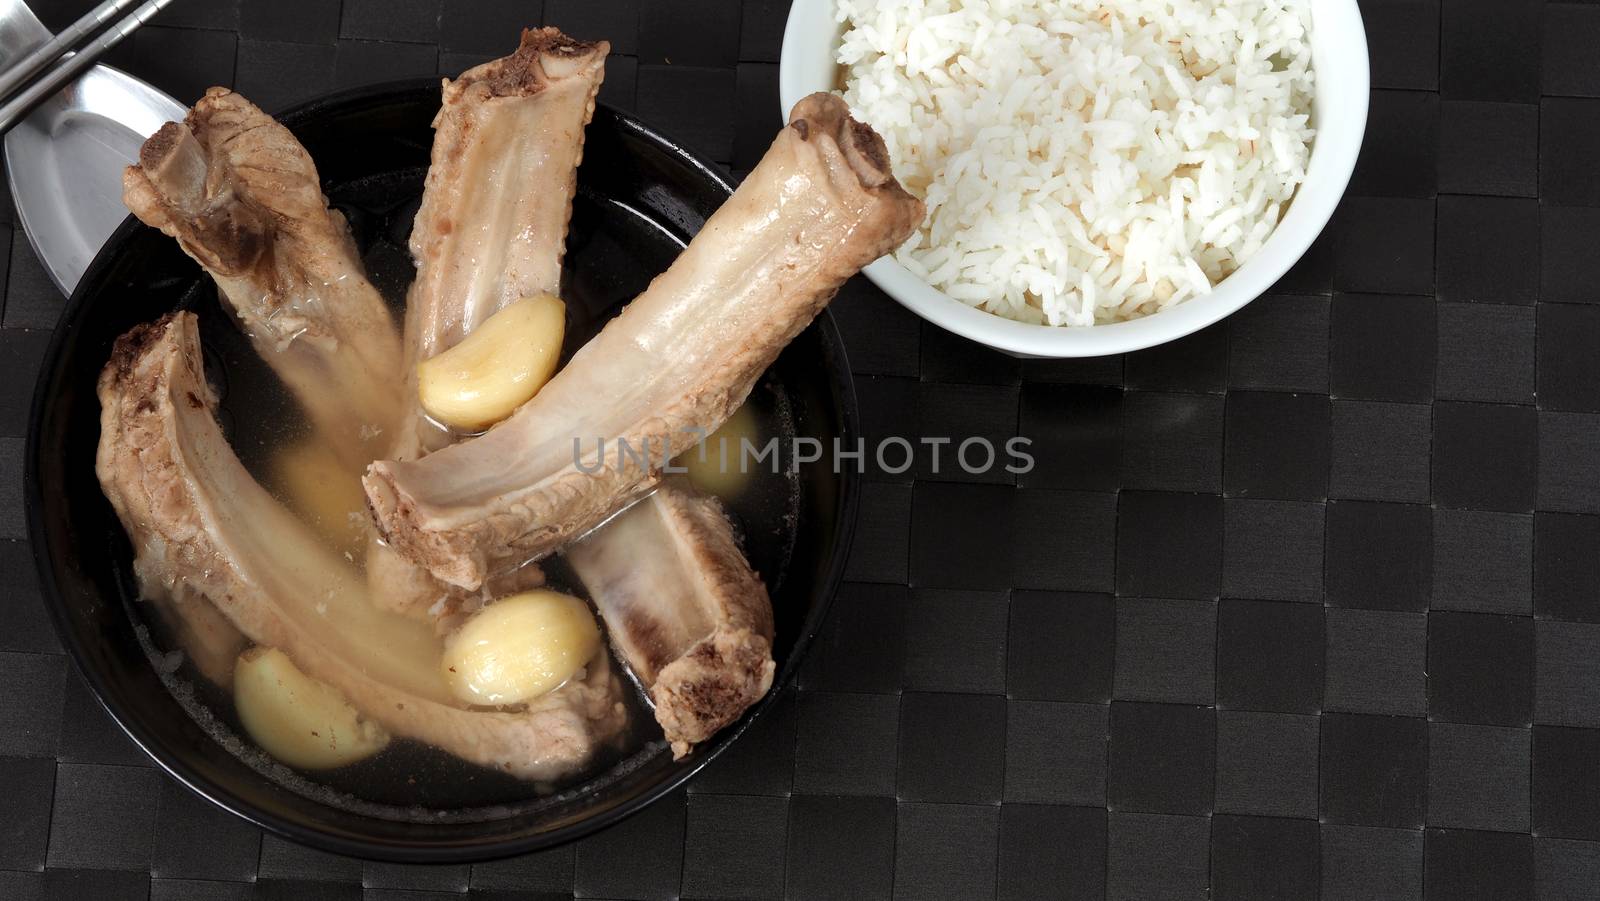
1083	162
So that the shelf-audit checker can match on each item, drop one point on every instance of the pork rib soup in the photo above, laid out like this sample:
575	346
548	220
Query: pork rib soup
386	545
615	253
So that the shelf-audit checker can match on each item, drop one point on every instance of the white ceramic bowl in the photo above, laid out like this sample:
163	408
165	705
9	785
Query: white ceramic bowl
1339	115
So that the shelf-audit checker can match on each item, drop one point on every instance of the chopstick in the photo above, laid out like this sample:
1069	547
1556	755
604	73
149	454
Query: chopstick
50	51
19	103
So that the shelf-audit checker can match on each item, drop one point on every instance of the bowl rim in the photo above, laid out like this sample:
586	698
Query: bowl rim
1311	212
840	383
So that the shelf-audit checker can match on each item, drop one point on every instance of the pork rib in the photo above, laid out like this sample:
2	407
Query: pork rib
196	518
491	230
683	608
493	221
244	200
667	576
820	205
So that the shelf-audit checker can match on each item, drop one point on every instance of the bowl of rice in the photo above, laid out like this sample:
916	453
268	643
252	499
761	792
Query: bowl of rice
1100	177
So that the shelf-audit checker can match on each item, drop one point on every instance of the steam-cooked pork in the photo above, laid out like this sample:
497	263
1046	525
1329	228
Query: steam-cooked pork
820	205
683	609
196	518
682	605
493	221
491	230
243	199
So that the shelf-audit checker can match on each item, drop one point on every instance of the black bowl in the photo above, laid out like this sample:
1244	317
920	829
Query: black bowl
640	196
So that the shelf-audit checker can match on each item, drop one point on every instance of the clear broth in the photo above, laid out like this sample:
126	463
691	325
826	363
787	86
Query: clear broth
612	253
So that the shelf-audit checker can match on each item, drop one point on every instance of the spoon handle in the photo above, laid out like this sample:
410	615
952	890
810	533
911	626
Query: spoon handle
30	65
70	67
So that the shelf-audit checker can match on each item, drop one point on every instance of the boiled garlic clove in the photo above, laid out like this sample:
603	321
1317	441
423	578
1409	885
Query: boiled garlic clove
520	647
497	368
723	471
323	492
297	719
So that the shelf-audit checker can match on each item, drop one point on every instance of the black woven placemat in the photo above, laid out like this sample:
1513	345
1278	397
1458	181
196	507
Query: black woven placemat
1306	605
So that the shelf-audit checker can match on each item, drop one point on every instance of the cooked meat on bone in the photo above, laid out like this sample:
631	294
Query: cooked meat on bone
493	223
820	205
197	518
243	199
683	609
491	230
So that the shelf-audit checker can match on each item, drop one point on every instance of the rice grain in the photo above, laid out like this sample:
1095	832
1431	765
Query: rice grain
1082	161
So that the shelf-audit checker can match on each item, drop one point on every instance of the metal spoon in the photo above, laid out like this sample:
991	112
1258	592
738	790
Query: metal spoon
65	160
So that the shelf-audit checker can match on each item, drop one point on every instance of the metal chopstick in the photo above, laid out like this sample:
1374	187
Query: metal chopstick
18	74
71	67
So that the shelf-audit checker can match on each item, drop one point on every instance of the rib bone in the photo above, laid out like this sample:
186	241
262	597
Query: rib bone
819	206
683	608
491	230
493	221
243	199
196	518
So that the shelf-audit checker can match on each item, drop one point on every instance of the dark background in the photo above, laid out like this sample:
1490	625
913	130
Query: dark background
1306	605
